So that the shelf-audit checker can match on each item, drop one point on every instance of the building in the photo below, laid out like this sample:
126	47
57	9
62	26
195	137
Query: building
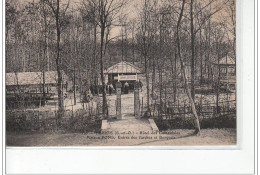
122	72
31	83
226	67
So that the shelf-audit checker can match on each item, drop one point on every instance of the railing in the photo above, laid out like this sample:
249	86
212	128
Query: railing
170	110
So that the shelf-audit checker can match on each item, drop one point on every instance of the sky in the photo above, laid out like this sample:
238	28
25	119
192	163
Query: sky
131	10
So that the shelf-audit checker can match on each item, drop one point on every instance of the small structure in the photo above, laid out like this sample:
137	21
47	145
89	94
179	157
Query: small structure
29	85
122	72
32	82
227	68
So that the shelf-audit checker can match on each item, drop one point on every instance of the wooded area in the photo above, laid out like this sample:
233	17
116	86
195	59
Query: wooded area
178	44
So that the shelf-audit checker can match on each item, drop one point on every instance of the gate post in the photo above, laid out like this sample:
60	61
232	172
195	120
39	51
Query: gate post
118	100
136	99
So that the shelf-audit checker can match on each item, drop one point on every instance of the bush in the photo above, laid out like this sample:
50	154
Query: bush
83	125
188	123
47	121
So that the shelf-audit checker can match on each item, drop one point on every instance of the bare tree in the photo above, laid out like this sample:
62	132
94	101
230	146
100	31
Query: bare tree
144	21
229	22
218	35
197	124
197	21
59	15
106	16
44	34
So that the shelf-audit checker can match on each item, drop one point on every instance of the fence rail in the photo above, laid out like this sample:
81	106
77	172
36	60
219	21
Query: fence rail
169	111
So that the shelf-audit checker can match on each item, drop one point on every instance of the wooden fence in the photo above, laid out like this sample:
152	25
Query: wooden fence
208	110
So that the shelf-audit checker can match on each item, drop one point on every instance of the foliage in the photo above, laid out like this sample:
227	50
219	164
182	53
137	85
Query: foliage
37	121
225	121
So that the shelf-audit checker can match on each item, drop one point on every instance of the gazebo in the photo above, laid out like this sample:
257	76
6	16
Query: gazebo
227	68
122	72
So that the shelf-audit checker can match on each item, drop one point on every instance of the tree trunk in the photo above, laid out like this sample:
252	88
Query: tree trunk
175	75
95	55
43	87
133	46
192	65
95	60
160	67
197	124
122	45
208	55
174	81
153	76
218	81
146	60
201	61
104	107
44	56
58	64
74	85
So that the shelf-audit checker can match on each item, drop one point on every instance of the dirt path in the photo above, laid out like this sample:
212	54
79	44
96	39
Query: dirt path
129	122
178	138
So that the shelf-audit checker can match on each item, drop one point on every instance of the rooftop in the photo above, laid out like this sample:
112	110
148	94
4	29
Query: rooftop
226	60
123	67
31	78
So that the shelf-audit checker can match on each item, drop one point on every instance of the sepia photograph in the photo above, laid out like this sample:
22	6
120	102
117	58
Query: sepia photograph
120	73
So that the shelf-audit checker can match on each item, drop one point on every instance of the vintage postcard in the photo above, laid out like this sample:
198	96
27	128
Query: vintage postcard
120	73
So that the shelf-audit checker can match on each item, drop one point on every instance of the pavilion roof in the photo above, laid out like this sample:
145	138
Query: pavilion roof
123	67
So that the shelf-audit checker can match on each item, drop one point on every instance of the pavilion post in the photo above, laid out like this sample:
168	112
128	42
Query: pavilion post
136	99
118	100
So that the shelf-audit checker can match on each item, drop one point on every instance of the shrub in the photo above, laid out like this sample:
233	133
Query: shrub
225	121
47	121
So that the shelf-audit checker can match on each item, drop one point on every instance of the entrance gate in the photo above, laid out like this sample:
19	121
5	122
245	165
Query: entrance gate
118	100
136	100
